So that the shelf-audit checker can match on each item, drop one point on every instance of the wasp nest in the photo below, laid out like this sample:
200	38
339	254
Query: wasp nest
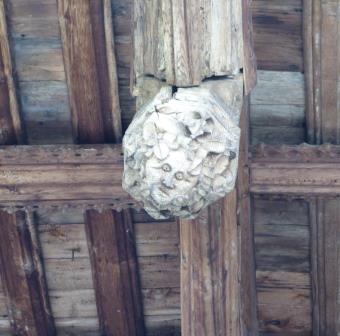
181	153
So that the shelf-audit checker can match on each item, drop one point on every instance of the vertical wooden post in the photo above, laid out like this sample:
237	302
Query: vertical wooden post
21	267
322	56
217	247
88	46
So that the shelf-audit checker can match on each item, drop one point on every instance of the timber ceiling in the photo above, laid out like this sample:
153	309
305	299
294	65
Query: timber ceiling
288	233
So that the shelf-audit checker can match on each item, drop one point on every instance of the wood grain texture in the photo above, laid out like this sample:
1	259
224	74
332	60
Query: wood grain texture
277	108
250	62
210	265
249	322
114	265
282	237
11	128
324	217
278	34
91	73
172	46
321	23
298	170
40	73
21	270
93	88
23	276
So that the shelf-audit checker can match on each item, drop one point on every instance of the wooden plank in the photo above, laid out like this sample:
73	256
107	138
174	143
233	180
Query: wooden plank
324	218
10	117
213	233
278	34
23	277
277	108
22	272
322	31
249	322
93	89
298	170
91	74
250	62
26	174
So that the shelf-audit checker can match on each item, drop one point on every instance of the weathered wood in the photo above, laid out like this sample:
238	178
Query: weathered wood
27	170
21	267
210	265
250	62
172	46
111	239
325	266
96	116
91	73
23	276
278	34
11	128
298	170
282	237
249	323
321	26
277	113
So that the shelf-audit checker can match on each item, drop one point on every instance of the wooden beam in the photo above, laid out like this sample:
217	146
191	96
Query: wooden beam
10	121
210	265
183	43
56	175
322	37
21	267
303	170
88	44
23	276
89	58
249	320
89	176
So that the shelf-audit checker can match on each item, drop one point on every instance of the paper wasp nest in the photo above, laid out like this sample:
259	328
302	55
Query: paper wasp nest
181	153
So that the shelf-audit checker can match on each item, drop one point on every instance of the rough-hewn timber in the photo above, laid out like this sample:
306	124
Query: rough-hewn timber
303	170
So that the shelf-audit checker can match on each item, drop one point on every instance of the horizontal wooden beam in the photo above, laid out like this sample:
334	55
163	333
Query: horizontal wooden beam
89	176
303	170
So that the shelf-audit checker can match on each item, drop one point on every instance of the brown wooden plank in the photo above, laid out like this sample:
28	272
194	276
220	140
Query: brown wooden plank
23	277
21	269
298	170
322	34
33	175
12	131
93	88
210	265
250	63
112	253
248	285
172	46
278	34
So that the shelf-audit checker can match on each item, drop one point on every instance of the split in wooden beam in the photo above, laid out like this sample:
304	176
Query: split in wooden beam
91	71
21	267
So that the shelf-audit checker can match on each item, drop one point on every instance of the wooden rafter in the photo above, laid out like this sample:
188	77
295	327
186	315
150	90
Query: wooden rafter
88	46
322	56
21	267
